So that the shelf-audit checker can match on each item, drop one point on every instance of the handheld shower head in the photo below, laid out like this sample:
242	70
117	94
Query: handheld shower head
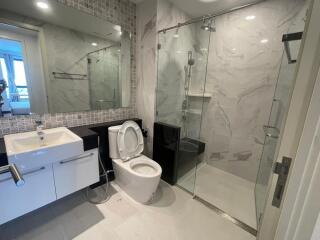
191	61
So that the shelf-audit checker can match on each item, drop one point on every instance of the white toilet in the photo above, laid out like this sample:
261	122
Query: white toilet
136	174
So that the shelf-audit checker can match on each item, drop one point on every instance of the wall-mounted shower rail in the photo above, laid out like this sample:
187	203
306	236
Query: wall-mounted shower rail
105	48
205	17
70	76
286	38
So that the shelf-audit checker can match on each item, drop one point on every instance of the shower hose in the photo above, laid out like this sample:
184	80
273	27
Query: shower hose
105	190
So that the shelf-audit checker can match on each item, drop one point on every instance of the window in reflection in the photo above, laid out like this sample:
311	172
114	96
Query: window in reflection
14	94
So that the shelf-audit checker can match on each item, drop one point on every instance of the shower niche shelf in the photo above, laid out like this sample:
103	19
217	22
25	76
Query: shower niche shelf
201	95
194	111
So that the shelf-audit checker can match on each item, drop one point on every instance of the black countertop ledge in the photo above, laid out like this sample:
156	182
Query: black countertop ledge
88	133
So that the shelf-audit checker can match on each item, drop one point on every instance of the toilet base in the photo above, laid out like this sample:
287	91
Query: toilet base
138	186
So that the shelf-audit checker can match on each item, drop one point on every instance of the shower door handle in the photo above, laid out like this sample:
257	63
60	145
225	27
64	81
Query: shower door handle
286	38
282	169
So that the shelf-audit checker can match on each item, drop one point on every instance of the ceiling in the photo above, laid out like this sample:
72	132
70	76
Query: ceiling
61	15
198	8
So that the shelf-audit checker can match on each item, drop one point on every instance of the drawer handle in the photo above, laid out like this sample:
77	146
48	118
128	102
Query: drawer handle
25	174
76	159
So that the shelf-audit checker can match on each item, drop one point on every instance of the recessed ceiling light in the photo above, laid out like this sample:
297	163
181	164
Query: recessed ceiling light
176	35
117	28
94	44
264	40
42	5
250	17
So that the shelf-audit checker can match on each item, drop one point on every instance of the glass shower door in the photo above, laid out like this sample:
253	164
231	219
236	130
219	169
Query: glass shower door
104	71
278	112
182	62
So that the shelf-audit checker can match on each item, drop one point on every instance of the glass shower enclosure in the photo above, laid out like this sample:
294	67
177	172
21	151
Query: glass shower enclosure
104	74
230	118
182	64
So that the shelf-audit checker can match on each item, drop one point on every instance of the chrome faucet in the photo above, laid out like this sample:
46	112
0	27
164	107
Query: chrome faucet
40	132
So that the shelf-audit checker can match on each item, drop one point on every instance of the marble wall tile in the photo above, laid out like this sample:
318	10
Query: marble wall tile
121	12
169	15
242	76
66	51
146	66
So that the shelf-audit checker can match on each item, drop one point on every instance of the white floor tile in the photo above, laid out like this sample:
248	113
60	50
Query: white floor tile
173	215
228	192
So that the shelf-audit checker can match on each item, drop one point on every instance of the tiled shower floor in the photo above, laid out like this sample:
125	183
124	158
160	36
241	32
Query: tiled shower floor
232	194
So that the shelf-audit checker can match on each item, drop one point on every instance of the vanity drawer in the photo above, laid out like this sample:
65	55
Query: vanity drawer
76	173
37	191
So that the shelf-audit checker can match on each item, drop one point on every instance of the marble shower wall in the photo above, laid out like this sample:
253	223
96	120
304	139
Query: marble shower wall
243	67
146	66
178	97
121	12
152	15
242	75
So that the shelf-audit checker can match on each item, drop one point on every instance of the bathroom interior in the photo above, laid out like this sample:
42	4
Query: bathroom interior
146	119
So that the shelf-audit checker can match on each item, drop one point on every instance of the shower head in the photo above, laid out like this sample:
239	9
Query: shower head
208	27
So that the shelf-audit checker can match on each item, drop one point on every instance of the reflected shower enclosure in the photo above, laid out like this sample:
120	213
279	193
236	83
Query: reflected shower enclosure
104	71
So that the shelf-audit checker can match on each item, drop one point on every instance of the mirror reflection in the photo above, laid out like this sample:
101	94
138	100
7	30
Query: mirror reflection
57	59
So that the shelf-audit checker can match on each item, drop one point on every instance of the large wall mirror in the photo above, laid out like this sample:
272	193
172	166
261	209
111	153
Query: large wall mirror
55	59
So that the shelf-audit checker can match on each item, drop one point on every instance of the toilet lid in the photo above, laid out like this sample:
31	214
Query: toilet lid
130	140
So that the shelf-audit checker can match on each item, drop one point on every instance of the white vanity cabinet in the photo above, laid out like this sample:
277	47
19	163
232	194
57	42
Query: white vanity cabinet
46	184
76	173
38	190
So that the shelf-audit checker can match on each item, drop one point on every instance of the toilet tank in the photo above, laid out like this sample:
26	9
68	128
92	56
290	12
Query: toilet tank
113	146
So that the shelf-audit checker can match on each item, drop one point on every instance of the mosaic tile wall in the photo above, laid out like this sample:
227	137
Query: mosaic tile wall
121	12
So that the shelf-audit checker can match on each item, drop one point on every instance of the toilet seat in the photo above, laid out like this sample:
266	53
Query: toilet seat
144	166
130	141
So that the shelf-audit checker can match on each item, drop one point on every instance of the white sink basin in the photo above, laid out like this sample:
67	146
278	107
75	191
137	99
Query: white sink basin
26	150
